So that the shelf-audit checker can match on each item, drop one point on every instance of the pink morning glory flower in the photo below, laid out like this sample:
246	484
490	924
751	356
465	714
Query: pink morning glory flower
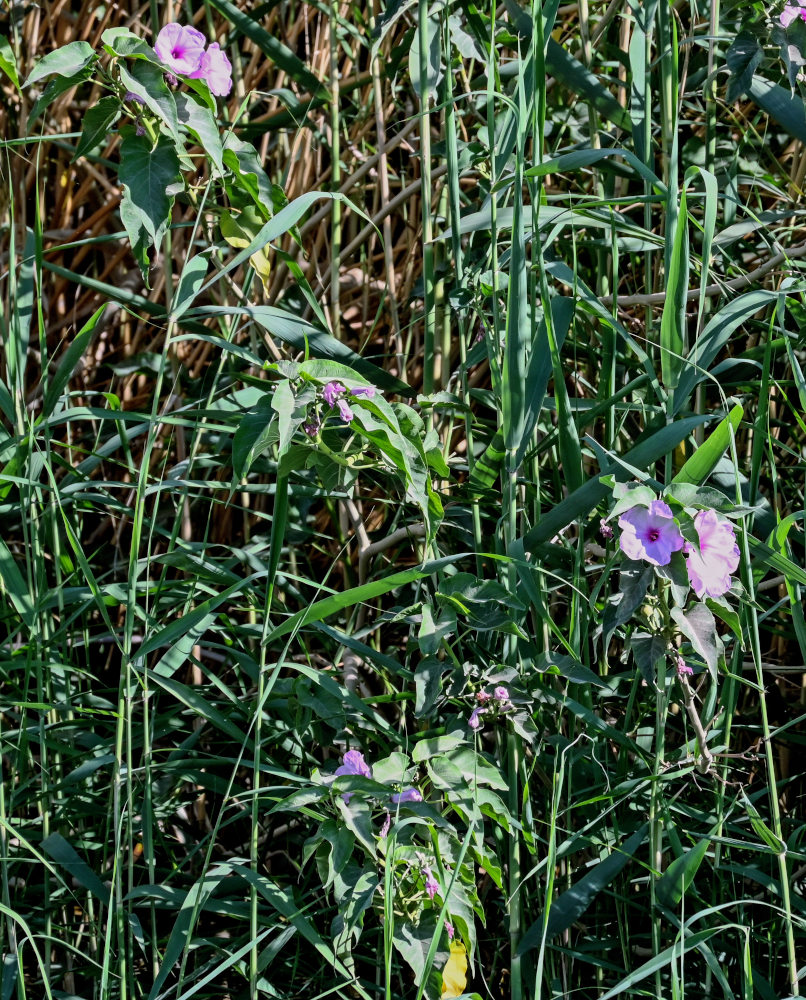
449	930
475	718
345	412
332	391
180	48
683	669
353	763
710	565
364	390
501	694
650	533
216	70
407	795
791	12
431	884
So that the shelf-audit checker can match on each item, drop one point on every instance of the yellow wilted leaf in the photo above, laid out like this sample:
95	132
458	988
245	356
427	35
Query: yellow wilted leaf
239	231
454	975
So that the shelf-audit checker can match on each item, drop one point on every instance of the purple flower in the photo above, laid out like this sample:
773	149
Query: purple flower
216	70
605	530
407	795
364	390
332	391
683	669
791	12
353	763
475	718
431	884
311	428
345	412
710	567
449	929
501	694
650	533
131	96
180	48
139	129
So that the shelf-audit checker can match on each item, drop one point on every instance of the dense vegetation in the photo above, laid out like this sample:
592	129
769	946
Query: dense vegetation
362	426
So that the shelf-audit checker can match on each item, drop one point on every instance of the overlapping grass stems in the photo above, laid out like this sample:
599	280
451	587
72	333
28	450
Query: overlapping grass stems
586	260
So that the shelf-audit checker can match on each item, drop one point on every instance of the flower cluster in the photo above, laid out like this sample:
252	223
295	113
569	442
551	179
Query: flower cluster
500	697
182	49
353	763
792	12
334	394
653	534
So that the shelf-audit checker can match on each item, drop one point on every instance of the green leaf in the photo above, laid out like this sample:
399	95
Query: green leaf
770	838
671	954
65	855
256	431
432	62
782	105
243	161
702	463
55	89
743	58
427	685
698	626
571	669
413	942
68	362
428	748
8	62
150	178
201	124
571	904
146	80
579	80
675	881
66	61
648	650
634	580
190	282
97	122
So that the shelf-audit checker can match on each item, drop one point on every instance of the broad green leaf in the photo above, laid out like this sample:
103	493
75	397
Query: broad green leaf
65	855
425	66
190	281
8	62
248	172
675	881
770	838
13	586
146	80
704	460
150	179
97	122
570	905
256	430
780	104
648	650
201	123
66	61
743	57
698	626
55	88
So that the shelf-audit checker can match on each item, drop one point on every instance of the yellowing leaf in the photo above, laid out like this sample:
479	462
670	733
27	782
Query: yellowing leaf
454	975
239	231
